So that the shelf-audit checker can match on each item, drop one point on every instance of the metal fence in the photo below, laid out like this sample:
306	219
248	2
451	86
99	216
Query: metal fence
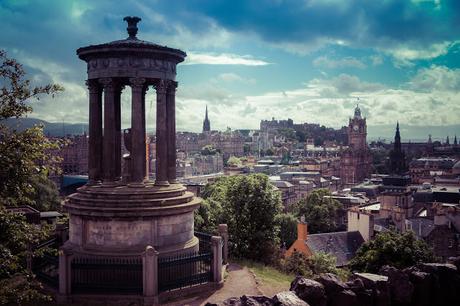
122	275
205	242
46	266
184	270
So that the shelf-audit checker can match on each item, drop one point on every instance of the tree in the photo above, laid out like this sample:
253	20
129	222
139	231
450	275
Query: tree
288	229
234	161
391	248
17	285
208	150
249	205
23	155
310	266
320	211
25	163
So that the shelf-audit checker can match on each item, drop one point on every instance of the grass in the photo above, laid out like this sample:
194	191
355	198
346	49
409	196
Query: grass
270	280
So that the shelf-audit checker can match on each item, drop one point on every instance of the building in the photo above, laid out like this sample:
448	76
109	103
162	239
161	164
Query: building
397	157
428	168
342	245
206	122
356	160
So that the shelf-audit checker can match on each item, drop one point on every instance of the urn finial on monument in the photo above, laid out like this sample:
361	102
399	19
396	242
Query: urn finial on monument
132	25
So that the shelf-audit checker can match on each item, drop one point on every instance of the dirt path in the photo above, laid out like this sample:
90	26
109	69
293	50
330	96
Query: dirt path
239	281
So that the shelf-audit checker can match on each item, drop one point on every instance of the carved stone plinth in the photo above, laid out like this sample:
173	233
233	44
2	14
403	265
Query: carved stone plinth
126	219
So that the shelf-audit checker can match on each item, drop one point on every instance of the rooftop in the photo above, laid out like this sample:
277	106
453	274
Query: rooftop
343	245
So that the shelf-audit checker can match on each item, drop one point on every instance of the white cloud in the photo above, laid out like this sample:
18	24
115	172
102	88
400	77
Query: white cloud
405	55
223	59
346	62
439	78
231	77
331	102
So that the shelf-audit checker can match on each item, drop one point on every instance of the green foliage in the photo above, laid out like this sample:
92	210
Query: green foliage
16	236
16	92
234	161
25	163
23	155
249	205
288	228
391	248
288	133
22	289
246	149
208	150
300	264
320	211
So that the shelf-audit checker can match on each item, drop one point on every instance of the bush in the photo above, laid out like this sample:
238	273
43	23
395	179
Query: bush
310	266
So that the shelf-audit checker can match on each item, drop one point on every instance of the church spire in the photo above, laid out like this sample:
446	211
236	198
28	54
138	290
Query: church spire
397	144
397	156
206	123
455	141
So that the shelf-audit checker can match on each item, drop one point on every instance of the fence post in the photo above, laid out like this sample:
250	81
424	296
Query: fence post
150	275
65	273
223	231
216	242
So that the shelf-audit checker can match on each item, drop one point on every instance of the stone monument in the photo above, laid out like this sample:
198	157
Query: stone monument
122	213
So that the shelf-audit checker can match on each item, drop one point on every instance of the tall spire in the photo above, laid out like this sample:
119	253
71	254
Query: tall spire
206	123
447	140
397	143
397	156
455	141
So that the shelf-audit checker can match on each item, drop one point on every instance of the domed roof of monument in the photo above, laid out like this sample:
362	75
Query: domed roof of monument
131	43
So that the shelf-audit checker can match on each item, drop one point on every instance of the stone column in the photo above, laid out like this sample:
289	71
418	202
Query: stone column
216	242
161	136
171	127
137	176
95	132
117	106
65	279
150	275
109	141
223	232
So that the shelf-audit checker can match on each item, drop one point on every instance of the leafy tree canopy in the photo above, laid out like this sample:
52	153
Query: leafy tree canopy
391	248
24	156
208	150
25	163
249	205
320	211
288	229
234	161
310	266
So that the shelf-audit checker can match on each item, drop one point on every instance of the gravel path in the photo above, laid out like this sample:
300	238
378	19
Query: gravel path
239	281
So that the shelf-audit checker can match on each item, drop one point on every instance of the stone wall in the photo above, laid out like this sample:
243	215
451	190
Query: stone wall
426	284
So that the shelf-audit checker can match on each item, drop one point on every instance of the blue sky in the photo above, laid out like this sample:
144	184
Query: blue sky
250	60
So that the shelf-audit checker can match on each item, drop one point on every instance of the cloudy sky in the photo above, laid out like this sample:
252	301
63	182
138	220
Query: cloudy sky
307	60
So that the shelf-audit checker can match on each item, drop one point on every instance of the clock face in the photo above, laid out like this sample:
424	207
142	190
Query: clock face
355	127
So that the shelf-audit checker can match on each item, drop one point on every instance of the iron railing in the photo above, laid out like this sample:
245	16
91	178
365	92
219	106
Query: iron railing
205	242
122	275
46	266
184	270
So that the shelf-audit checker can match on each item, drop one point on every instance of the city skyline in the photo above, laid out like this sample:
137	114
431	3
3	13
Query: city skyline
308	61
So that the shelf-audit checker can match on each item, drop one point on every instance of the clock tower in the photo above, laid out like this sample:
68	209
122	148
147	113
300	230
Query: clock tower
356	159
357	130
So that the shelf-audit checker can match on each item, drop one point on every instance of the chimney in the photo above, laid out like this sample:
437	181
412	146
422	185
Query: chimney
302	229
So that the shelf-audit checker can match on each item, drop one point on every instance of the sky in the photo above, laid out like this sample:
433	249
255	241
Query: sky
307	60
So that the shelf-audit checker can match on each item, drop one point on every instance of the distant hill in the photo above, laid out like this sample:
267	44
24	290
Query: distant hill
50	128
408	132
